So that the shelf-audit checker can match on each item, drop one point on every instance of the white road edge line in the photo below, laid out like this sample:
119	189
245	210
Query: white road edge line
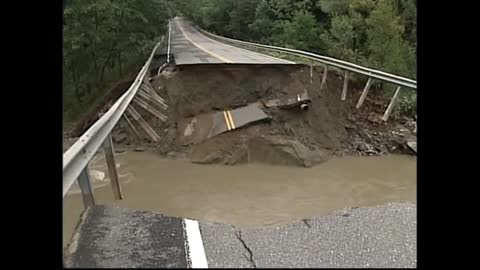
194	243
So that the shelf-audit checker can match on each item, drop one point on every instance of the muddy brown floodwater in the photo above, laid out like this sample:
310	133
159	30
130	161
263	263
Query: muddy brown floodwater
251	194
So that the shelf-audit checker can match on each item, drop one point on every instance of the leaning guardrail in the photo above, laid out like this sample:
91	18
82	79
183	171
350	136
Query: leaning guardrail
77	157
329	61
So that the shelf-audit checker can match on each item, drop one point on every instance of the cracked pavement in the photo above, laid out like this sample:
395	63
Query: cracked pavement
222	247
383	236
250	253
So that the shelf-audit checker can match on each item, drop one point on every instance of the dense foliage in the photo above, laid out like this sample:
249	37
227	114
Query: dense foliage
103	42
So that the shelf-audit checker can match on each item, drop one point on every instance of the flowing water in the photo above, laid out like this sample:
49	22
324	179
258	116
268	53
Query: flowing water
247	195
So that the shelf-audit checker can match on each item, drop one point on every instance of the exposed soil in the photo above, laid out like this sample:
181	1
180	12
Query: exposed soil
369	135
330	127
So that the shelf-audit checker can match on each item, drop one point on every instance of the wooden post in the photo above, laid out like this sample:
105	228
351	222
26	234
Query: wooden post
86	188
112	169
390	106
132	126
324	77
149	108
345	86
364	93
146	127
147	96
149	90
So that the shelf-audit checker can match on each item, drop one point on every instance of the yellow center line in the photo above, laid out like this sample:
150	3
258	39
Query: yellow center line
232	124
226	120
221	58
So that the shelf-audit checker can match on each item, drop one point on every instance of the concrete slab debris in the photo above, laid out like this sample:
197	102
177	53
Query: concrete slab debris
289	101
204	126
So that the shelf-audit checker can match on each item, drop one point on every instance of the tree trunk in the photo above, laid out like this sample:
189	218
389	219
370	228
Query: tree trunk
94	52
95	64
119	59
108	62
103	69
75	84
89	89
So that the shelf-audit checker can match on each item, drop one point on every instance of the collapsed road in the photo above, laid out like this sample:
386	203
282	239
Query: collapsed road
225	105
293	121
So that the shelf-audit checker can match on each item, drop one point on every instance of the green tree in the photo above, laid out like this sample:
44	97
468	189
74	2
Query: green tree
341	39
103	41
241	16
302	32
387	49
264	26
214	15
334	6
409	19
347	34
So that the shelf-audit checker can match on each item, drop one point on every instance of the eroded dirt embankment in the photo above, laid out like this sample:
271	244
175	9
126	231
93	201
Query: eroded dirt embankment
292	136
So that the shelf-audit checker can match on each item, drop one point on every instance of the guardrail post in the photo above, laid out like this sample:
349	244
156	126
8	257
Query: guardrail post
345	86
364	93
324	77
112	170
390	106
132	126
311	73
86	188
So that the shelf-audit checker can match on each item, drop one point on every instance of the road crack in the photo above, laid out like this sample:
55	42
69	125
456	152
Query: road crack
238	234
306	220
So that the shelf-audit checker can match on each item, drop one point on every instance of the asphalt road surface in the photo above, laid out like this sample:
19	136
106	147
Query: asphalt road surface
112	237
383	237
191	47
368	237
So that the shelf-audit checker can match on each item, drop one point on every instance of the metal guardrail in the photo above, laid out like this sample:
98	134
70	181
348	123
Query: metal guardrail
371	73
168	48
77	157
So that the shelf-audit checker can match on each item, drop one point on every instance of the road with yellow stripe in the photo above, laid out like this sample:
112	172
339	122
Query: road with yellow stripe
191	47
229	120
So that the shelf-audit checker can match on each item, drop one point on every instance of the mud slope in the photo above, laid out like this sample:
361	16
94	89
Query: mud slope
292	137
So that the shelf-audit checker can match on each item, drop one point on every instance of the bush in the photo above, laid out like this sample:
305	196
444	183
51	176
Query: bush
406	105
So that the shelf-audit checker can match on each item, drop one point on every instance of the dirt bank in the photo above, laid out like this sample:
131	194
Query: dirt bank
330	127
368	134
